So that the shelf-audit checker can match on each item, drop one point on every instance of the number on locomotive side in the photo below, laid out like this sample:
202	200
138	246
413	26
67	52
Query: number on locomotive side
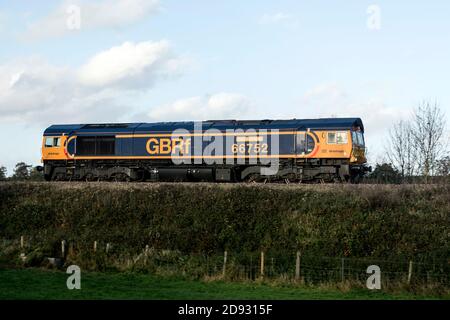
256	147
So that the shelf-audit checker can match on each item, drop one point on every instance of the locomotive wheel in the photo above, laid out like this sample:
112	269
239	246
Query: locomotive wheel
59	177
121	177
89	177
337	180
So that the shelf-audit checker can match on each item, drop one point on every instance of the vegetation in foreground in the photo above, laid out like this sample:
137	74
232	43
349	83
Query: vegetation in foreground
188	227
349	221
46	284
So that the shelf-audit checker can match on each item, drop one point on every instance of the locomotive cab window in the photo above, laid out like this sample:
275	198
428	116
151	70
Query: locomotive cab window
49	142
361	139
358	138
339	137
331	138
52	142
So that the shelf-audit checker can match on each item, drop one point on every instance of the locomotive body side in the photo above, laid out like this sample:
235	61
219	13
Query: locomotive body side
219	151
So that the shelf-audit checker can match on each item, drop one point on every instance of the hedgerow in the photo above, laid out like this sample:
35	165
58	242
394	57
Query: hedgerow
411	221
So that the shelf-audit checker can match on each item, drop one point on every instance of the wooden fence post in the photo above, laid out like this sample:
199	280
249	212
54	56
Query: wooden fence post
410	270
63	248
297	266
262	264
272	267
95	246
70	250
23	257
108	247
146	250
225	256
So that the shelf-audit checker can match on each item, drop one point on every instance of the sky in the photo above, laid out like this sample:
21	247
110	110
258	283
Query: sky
75	61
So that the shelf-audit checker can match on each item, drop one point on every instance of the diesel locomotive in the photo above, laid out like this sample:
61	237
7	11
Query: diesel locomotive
297	150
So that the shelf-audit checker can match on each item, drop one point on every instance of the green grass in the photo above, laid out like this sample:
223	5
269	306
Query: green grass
45	284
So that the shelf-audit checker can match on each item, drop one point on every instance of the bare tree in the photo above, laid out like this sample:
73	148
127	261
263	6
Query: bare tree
443	166
401	150
428	133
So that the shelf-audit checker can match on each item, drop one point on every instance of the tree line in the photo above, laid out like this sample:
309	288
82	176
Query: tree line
416	149
22	171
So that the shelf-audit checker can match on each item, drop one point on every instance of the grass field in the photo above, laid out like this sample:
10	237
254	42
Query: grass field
43	284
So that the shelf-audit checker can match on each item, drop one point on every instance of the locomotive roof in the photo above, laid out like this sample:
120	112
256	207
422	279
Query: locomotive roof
297	124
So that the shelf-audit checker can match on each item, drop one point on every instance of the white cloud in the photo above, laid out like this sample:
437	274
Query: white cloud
93	14
217	106
32	90
131	65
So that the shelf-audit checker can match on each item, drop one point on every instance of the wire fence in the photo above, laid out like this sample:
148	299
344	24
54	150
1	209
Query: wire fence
232	265
320	269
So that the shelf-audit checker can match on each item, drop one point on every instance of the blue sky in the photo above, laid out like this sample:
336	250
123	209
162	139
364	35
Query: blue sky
135	60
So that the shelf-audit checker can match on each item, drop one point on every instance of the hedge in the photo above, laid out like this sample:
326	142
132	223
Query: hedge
324	220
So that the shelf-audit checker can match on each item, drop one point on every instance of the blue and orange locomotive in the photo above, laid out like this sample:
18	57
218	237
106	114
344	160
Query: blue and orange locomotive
295	150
